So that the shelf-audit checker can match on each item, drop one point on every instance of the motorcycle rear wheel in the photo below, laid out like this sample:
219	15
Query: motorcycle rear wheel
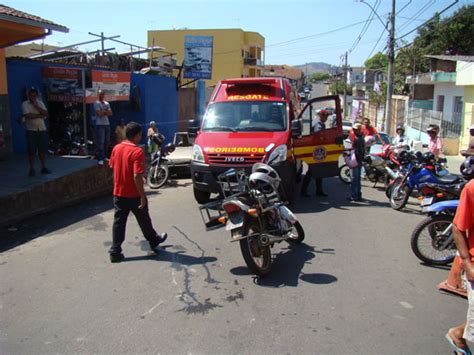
345	174
258	258
297	234
399	195
157	176
428	236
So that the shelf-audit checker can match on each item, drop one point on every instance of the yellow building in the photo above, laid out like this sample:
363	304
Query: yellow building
465	78
236	53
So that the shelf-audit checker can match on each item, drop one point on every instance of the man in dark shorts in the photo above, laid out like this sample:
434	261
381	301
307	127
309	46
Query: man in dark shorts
35	114
128	162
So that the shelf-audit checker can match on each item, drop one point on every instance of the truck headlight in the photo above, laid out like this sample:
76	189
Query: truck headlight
197	153
279	154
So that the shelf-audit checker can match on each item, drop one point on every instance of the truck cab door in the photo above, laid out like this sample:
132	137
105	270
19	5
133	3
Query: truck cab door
321	143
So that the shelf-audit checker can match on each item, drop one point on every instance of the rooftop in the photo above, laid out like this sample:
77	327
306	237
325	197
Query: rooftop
453	58
10	14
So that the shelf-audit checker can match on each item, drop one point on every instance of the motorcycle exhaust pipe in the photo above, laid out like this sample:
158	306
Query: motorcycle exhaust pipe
390	172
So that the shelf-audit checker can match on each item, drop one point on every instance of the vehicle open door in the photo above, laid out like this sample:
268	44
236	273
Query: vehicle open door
321	142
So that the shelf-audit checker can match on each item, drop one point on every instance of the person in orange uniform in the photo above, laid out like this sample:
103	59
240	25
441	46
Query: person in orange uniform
128	162
463	231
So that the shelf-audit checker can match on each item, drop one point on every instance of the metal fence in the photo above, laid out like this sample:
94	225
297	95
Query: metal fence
421	119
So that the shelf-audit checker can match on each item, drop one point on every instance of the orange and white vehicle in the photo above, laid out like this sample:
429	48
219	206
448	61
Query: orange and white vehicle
251	120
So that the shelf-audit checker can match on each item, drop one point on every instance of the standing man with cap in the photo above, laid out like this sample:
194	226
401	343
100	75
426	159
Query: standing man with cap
35	114
101	112
318	125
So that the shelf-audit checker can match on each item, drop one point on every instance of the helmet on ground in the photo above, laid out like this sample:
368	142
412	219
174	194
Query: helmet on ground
467	167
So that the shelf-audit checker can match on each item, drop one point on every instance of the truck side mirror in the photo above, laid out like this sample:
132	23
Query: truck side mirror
193	127
296	128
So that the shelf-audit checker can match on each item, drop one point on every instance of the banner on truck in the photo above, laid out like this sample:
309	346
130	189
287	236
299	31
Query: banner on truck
198	57
63	84
116	86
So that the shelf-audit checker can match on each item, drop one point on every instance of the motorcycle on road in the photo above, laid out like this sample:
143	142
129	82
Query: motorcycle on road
158	173
253	212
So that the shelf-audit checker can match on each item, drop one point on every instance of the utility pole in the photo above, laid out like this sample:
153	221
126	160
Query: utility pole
344	113
391	60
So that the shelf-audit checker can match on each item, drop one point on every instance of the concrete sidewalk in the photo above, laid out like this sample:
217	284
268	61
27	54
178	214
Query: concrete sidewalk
454	162
73	179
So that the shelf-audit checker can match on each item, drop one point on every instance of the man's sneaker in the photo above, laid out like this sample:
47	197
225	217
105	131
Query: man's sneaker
45	171
100	162
161	238
116	258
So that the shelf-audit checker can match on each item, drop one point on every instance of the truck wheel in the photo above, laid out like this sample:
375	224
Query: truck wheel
201	197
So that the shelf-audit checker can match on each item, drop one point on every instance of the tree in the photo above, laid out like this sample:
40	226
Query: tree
377	61
337	87
319	76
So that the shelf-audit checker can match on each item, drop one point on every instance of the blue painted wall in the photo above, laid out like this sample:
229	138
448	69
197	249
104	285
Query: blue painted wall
158	95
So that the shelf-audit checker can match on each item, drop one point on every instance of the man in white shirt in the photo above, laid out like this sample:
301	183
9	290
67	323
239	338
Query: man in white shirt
35	114
101	113
400	139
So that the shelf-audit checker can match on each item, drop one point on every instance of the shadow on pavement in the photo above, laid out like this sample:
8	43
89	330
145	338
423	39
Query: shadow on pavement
174	257
287	268
439	267
41	225
338	193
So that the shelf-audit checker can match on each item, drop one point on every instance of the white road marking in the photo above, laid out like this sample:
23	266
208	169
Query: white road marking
406	305
152	308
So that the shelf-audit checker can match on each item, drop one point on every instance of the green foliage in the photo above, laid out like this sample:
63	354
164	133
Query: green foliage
378	97
319	76
377	61
337	87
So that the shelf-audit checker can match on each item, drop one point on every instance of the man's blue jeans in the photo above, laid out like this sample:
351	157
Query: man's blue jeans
103	139
356	191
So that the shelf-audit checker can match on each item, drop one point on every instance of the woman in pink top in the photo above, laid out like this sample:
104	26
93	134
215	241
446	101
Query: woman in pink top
434	145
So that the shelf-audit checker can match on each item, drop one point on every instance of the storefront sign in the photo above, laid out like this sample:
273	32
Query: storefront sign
198	57
116	86
63	84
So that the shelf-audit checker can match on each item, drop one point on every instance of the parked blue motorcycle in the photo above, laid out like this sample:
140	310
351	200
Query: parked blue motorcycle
419	174
432	240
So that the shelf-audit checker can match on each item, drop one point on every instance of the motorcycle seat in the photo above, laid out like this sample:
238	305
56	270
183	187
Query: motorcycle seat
449	179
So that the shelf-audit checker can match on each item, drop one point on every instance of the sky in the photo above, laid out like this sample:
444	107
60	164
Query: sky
295	31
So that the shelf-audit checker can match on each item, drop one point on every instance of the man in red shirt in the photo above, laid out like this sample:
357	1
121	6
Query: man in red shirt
128	162
463	230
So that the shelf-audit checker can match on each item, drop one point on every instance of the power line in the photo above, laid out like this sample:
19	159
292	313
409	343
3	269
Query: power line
404	7
365	27
447	20
376	44
426	22
418	13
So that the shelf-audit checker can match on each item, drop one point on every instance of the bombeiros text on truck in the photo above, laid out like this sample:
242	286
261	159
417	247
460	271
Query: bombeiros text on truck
257	120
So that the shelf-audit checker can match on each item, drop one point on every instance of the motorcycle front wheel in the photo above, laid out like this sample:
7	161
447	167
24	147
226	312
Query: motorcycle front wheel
157	176
258	258
345	174
430	236
399	195
297	234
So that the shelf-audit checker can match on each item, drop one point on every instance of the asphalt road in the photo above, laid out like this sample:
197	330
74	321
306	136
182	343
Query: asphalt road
353	287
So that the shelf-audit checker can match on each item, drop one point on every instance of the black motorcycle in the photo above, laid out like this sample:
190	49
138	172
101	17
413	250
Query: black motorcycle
158	173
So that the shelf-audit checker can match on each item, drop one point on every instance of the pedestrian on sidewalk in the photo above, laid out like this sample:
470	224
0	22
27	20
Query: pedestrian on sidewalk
102	112
128	162
35	114
358	148
463	232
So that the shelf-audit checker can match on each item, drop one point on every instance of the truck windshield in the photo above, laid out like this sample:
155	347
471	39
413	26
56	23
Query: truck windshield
246	116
